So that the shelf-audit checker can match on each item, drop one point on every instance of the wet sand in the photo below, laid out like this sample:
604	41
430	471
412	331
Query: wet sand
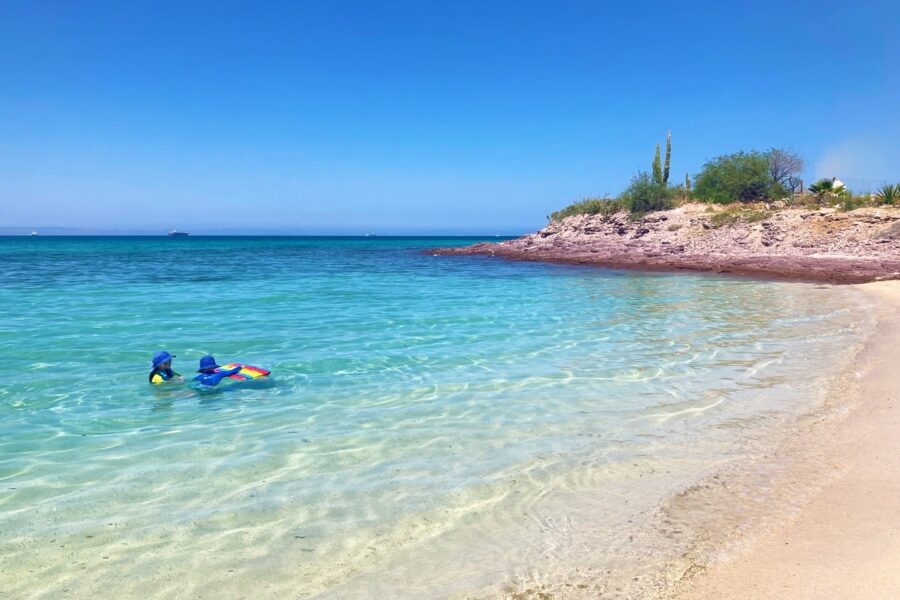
843	541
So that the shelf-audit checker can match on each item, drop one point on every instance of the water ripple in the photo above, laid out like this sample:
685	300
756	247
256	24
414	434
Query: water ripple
426	418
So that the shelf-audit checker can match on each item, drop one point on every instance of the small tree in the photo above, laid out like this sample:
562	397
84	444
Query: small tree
743	176
785	168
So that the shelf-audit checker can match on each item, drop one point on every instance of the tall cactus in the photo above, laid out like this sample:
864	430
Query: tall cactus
665	175
687	182
661	173
657	171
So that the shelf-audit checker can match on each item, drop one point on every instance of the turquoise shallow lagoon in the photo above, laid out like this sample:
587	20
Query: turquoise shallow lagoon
434	426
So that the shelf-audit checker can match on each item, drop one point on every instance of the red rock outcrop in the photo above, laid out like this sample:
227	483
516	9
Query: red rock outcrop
800	244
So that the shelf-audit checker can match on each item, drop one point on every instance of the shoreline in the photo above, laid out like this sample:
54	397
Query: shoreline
710	519
814	246
833	527
829	270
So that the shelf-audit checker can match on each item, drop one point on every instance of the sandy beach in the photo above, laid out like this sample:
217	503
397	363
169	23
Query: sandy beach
841	539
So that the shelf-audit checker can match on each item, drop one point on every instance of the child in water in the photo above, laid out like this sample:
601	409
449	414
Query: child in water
208	375
162	368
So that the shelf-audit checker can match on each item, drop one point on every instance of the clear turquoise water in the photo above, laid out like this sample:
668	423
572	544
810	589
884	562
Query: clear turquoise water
428	418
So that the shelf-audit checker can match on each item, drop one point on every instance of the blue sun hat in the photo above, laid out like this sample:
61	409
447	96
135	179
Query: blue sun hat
161	357
207	363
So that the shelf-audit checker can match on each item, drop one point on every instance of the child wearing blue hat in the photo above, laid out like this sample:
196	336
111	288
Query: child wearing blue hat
208	375
162	368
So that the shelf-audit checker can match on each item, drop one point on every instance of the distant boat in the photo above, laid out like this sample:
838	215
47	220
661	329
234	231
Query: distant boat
33	233
371	235
176	233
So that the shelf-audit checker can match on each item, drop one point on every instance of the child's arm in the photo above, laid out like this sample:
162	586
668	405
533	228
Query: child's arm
215	378
231	372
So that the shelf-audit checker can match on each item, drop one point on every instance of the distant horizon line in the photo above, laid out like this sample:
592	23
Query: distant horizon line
22	230
259	234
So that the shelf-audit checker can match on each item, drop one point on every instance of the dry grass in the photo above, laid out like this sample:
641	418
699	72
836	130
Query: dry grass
735	215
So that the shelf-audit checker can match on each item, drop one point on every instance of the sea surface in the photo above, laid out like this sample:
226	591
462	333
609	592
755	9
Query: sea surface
434	427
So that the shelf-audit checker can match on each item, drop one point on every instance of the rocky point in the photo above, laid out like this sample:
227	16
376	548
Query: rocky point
823	245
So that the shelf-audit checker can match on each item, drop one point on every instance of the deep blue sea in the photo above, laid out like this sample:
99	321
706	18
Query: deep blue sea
433	426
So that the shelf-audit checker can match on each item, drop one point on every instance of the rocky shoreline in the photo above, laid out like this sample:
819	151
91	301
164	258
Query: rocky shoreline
822	245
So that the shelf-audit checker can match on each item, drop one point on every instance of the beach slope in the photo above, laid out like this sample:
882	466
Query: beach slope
845	542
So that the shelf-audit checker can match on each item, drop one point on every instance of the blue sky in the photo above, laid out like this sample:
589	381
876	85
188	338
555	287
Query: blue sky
418	117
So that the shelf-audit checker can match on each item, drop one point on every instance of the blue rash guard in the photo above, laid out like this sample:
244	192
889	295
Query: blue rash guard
213	378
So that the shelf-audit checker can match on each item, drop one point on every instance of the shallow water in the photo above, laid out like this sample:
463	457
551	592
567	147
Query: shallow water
433	426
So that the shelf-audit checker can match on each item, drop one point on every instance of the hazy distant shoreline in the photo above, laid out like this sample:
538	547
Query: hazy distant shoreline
18	232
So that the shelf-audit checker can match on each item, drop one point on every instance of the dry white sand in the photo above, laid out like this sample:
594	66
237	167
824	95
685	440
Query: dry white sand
845	542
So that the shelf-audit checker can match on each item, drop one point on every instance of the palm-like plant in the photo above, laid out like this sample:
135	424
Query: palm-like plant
888	194
833	186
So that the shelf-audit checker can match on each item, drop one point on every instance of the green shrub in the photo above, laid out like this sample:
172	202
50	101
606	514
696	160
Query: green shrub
888	194
807	201
849	202
742	177
724	218
588	206
733	216
645	195
680	194
777	191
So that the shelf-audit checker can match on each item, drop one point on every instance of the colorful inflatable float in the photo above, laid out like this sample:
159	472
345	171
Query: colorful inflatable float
246	372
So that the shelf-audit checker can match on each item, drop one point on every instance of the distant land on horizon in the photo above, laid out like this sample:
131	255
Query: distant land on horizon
399	232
